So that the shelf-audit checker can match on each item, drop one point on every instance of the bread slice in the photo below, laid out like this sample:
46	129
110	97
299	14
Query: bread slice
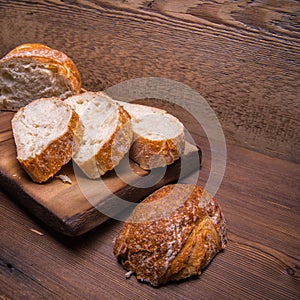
33	71
171	235
158	136
107	133
44	133
139	110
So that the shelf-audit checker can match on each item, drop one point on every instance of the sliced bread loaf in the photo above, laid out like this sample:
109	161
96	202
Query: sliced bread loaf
44	133
158	136
107	133
33	71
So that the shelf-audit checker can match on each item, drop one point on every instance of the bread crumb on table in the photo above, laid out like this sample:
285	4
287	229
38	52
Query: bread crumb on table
64	178
128	274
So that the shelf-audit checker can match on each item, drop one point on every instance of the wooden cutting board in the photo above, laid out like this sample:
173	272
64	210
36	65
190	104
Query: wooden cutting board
64	207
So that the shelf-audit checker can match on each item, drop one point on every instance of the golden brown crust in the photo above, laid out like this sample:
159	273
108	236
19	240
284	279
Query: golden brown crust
57	60
45	165
106	151
111	152
151	154
173	238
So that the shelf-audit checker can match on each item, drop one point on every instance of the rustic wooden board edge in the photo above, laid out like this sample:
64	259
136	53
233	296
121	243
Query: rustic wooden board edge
34	208
81	223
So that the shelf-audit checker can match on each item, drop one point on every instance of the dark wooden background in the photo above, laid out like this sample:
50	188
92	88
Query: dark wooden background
244	58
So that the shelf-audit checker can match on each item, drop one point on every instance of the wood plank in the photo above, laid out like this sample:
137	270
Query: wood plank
242	56
76	208
259	197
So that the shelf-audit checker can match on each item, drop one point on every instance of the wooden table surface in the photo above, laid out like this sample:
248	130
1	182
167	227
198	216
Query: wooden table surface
243	57
260	199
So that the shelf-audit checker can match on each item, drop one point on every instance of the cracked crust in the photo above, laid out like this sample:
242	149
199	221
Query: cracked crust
151	154
56	62
185	231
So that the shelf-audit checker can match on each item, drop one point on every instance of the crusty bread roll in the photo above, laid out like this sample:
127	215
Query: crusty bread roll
44	133
107	133
158	136
33	71
173	234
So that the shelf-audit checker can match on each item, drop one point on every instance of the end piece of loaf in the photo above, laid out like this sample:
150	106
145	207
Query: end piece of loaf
33	71
174	238
107	133
158	136
44	133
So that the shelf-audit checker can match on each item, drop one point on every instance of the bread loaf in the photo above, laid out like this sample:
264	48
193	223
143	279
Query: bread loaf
158	136
107	133
33	71
44	133
173	234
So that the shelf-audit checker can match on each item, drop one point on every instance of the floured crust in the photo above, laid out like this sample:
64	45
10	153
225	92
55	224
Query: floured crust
55	61
58	152
175	238
151	154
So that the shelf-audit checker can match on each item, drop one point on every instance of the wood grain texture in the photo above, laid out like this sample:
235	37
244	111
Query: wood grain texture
259	197
242	56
